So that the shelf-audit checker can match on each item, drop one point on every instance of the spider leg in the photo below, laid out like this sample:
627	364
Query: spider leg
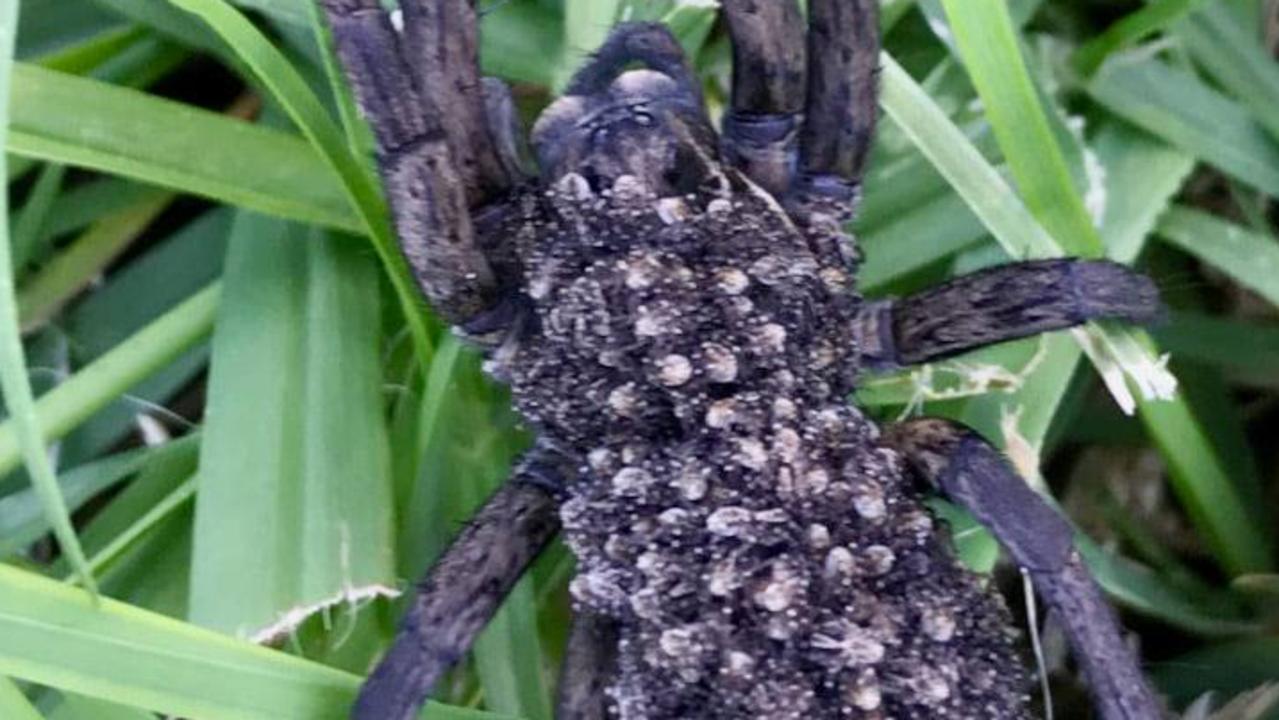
465	587
441	44
649	44
972	473
1002	303
761	129
426	188
588	667
840	113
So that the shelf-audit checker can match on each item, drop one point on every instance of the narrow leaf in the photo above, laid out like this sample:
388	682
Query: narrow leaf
62	409
294	439
55	636
1188	114
13	364
85	259
1249	258
13	704
286	85
987	40
132	134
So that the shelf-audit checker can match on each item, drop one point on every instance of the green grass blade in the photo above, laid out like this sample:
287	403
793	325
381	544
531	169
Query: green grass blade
522	42
1130	30
17	167
75	707
286	85
34	216
161	16
915	239
47	25
130	298
13	364
132	134
1134	159
1249	258
72	269
1230	527
289	11
586	24
21	521
62	409
84	204
13	704
1188	114
1248	351
1195	608
150	519
1236	58
54	636
1223	669
84	56
987	40
163	469
950	151
295	440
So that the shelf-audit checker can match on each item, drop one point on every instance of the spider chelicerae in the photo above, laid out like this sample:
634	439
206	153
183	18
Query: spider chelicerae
676	312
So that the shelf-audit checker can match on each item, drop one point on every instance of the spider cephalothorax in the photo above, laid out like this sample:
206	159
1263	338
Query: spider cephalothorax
678	318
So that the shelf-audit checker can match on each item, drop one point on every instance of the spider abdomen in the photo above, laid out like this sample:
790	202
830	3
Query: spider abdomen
803	581
762	554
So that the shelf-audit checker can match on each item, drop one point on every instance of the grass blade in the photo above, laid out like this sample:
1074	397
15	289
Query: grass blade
27	229
963	166
74	707
586	24
21	522
13	365
295	439
915	239
1130	30
68	272
132	297
1248	351
987	41
62	409
132	134
1236	59
13	704
1188	114
286	85
54	636
1249	258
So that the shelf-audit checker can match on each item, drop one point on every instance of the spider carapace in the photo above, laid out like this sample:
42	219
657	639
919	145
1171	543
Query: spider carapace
677	315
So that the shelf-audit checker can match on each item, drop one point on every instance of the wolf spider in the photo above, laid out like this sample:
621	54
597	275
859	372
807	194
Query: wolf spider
676	313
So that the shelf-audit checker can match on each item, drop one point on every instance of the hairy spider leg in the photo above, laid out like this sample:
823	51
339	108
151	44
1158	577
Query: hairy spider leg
589	664
430	194
841	107
972	473
1002	303
761	128
441	44
464	588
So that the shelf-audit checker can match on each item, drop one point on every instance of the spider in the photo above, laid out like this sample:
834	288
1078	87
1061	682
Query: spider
676	313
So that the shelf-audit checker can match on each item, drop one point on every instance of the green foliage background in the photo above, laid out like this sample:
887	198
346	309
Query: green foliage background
231	419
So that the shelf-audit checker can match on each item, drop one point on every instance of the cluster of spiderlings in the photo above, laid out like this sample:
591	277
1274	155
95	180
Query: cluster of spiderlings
764	556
